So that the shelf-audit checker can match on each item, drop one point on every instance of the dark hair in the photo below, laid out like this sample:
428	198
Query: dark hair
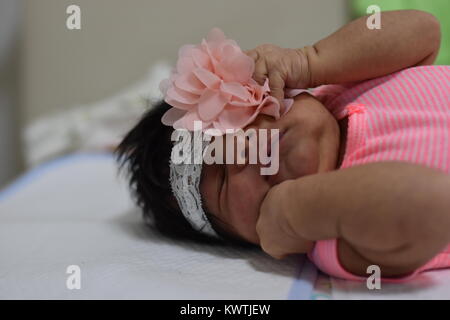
145	152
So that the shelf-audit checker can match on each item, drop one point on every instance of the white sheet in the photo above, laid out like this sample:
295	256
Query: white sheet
75	211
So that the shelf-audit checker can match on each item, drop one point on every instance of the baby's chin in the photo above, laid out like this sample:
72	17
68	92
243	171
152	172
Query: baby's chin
253	237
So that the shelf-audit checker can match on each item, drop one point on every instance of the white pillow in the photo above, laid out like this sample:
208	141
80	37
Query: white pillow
94	127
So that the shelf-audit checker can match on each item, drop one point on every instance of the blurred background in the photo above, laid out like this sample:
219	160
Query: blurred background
65	91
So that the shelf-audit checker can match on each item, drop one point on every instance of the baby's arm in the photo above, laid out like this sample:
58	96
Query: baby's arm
354	53
394	215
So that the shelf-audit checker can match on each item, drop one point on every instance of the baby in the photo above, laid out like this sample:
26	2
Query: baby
363	158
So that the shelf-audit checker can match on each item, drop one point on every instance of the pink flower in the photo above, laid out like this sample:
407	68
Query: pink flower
213	83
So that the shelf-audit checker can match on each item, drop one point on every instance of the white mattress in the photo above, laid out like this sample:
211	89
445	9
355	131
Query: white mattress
76	211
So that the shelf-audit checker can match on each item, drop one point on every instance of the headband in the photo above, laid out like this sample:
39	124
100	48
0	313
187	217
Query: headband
185	182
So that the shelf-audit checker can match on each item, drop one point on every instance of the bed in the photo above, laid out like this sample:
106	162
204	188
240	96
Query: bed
72	208
76	211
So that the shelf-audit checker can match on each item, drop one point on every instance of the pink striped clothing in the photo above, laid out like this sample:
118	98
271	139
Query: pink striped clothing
404	116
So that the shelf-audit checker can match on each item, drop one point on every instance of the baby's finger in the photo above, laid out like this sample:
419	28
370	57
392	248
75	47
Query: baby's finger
252	54
276	84
278	256
260	73
271	251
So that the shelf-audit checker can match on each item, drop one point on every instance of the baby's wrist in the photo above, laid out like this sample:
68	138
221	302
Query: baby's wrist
300	207
313	72
289	206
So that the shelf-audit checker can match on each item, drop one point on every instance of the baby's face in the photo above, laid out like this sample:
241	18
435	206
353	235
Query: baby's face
309	144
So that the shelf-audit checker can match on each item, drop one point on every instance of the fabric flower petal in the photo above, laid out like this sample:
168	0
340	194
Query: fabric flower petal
209	79
179	105
241	104
185	65
215	35
211	104
238	67
206	48
185	50
188	121
189	82
270	107
201	59
171	116
182	96
235	118
236	89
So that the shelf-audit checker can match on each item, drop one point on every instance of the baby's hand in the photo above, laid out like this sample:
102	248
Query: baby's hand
285	68
276	236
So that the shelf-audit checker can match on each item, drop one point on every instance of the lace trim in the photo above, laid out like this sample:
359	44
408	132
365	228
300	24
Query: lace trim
185	183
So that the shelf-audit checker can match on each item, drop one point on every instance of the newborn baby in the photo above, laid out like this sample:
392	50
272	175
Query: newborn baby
363	158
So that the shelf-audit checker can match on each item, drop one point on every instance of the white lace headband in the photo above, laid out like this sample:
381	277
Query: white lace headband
185	183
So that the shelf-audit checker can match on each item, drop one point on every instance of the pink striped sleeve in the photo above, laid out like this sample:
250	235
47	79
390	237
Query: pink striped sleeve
325	256
400	117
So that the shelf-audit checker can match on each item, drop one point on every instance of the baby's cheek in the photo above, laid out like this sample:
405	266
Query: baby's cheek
301	160
245	209
306	159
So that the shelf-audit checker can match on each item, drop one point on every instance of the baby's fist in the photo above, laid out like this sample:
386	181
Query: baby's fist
276	236
285	68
